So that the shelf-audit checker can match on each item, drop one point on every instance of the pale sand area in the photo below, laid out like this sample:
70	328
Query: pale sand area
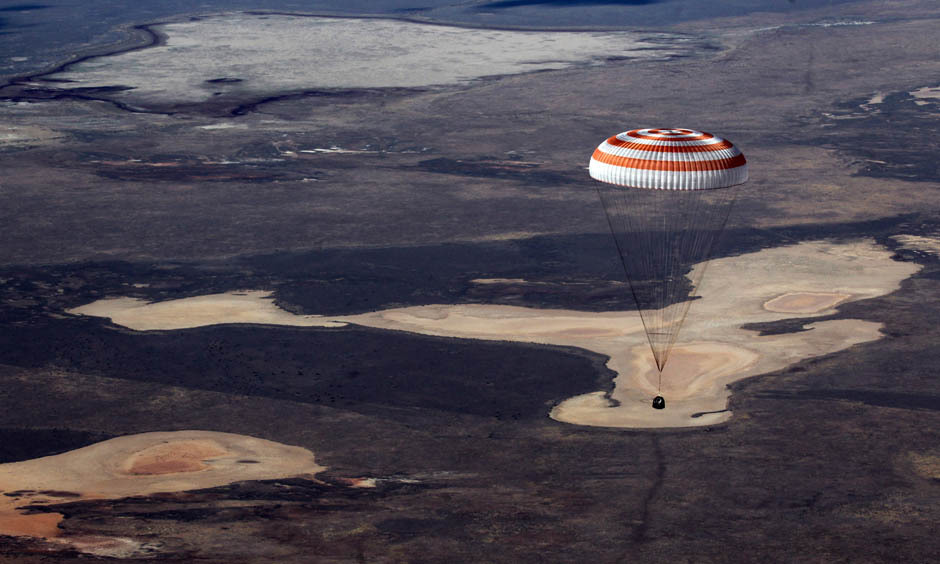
343	53
926	464
134	465
805	302
486	281
929	245
253	306
713	350
923	95
26	135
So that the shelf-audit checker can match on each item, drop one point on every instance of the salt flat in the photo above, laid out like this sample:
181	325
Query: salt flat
261	55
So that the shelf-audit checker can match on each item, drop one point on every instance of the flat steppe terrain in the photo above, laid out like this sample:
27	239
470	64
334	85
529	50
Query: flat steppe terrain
251	314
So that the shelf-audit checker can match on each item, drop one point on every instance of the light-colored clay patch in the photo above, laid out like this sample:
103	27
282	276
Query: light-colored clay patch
112	547
929	245
927	464
804	302
922	95
29	525
342	53
693	368
25	135
137	465
233	307
498	281
877	98
173	457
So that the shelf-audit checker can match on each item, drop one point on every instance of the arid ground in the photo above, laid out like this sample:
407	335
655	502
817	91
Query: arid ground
352	297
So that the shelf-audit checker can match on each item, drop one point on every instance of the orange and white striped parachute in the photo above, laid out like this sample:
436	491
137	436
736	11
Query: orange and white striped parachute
667	194
668	159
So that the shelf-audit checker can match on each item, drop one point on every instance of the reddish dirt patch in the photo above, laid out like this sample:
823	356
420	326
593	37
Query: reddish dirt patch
804	302
173	457
44	525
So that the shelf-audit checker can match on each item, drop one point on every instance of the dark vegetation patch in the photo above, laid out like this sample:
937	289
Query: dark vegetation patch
60	493
701	413
78	91
225	80
364	370
24	7
783	326
189	173
451	525
331	96
850	129
25	444
252	163
565	3
496	168
876	398
55	80
279	513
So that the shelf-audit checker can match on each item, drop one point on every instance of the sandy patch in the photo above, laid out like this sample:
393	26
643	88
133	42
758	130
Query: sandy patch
223	125
808	279
804	302
926	464
877	98
25	135
34	525
929	245
137	465
485	281
234	307
113	547
244	54
923	96
505	323
169	458
693	368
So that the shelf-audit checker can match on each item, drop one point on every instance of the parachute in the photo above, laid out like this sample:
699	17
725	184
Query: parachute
667	194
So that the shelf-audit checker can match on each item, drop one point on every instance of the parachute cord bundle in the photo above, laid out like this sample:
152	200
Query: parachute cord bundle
664	239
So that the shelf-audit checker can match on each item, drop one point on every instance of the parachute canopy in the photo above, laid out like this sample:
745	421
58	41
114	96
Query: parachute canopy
667	195
668	159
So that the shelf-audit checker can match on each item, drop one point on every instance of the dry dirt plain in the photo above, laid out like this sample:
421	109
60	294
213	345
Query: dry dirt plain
438	447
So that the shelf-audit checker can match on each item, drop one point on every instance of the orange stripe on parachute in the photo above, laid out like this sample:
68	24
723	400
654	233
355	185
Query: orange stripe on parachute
635	133
616	142
673	166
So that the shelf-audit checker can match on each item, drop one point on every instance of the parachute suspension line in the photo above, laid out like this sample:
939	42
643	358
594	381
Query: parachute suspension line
664	239
664	250
725	205
680	240
704	243
619	207
691	250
